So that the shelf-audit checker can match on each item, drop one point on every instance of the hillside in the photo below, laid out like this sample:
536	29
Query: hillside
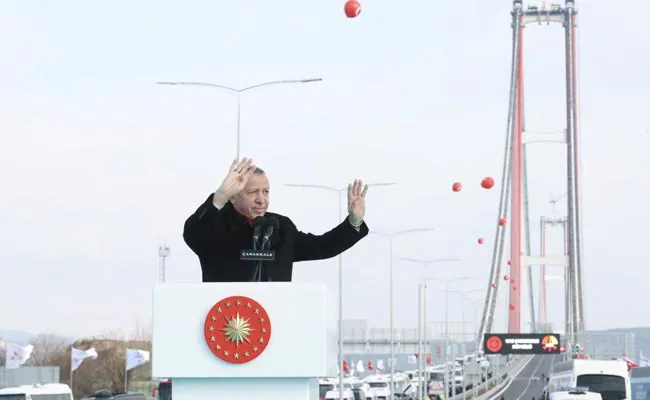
104	372
13	336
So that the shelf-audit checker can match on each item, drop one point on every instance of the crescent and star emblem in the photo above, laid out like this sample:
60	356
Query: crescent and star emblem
237	329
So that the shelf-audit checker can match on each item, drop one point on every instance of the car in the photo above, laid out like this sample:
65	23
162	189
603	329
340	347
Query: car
106	394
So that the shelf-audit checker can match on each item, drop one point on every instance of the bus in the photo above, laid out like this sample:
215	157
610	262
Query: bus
610	378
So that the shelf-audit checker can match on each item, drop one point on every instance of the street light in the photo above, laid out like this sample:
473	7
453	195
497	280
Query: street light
390	237
447	283
422	317
239	92
339	191
463	295
555	199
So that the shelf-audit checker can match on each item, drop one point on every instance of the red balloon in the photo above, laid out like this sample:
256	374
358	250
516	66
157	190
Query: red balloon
456	187
506	278
352	8
480	240
487	183
494	285
502	221
512	307
509	262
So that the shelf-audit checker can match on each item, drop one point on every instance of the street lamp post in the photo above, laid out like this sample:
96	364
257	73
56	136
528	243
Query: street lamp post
390	237
422	316
463	295
339	191
239	93
447	283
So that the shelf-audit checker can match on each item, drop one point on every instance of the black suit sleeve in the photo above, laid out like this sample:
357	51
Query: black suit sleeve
200	227
310	247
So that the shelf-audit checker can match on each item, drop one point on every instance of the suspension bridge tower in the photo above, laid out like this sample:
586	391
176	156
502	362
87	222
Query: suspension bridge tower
514	185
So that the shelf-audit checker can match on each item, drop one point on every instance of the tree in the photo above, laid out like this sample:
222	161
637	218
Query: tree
47	347
107	371
2	352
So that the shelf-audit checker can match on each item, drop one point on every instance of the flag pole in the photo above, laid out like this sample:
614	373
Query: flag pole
71	369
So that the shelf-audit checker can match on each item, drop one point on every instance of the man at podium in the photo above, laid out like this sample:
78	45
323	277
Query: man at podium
226	222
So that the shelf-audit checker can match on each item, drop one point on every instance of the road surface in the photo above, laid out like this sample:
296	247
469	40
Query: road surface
529	383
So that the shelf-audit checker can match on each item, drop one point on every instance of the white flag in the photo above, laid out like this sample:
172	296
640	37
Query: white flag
643	361
380	365
78	356
360	366
136	358
16	355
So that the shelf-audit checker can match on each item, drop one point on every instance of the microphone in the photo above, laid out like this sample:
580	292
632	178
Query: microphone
258	223
272	225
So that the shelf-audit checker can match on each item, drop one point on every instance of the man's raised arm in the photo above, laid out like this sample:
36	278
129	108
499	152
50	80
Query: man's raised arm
341	238
310	247
200	227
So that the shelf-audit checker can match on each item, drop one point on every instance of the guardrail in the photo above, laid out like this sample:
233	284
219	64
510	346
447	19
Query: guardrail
492	386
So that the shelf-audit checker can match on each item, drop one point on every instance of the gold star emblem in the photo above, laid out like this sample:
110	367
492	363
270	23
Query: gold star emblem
226	353
227	304
262	320
263	330
214	318
248	305
261	340
236	356
213	339
237	330
219	310
246	354
254	348
257	311
218	347
238	303
211	328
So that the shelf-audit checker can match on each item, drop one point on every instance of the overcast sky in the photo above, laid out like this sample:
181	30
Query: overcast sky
98	163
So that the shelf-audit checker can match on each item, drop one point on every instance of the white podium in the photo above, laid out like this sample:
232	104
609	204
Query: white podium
243	340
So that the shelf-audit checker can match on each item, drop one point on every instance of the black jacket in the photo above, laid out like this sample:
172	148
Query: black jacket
217	236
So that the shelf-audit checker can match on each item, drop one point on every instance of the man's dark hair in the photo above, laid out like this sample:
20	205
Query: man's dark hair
258	171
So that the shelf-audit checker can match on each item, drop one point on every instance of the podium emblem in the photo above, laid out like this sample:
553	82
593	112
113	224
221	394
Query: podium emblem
237	329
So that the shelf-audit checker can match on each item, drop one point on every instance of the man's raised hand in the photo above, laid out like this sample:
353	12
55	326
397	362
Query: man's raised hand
357	202
236	179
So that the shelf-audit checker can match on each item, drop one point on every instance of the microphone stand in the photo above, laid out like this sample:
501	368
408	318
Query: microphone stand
257	274
260	264
258	271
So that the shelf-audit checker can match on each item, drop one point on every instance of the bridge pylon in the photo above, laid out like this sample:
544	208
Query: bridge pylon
514	187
